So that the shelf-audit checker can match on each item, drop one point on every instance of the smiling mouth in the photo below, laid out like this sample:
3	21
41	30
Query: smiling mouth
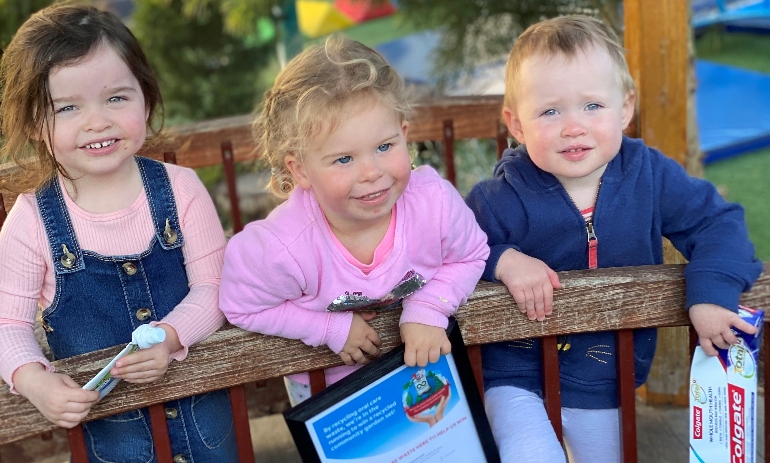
372	196
102	144
575	150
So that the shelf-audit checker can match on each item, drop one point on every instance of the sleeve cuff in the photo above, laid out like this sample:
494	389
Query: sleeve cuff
179	355
338	329
494	255
424	314
712	288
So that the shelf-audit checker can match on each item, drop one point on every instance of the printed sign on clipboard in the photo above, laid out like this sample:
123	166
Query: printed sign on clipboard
387	412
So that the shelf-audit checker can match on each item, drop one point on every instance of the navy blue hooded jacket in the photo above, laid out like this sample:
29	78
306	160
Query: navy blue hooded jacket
644	196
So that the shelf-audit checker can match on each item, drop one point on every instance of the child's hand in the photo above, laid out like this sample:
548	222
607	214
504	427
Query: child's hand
530	282
423	343
713	324
60	399
362	340
146	365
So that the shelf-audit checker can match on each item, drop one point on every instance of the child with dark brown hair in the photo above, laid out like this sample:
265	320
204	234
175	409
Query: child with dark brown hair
105	241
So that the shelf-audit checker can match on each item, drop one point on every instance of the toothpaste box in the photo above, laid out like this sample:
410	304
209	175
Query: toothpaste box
723	399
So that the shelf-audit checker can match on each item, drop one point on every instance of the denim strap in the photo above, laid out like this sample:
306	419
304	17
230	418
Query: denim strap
161	201
58	227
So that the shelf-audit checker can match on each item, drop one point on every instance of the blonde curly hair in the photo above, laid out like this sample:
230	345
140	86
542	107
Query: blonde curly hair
310	96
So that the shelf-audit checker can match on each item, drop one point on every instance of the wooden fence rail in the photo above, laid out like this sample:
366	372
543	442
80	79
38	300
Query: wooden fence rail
597	300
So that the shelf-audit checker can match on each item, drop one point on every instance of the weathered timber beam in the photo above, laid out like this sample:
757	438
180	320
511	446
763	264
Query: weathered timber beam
597	300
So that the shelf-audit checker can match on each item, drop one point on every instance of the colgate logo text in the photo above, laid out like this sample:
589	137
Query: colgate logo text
736	410
697	423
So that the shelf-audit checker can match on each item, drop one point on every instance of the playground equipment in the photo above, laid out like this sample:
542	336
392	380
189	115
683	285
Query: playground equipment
317	18
749	13
731	110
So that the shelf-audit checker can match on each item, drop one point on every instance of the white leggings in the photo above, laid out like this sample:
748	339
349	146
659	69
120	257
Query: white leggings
298	392
524	434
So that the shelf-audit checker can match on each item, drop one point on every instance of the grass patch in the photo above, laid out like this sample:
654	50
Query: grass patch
745	50
744	179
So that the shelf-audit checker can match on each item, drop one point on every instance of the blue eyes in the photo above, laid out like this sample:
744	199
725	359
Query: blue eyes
383	148
344	160
588	107
70	108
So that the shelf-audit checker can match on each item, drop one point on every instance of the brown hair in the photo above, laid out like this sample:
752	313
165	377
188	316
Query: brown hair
566	35
54	37
310	95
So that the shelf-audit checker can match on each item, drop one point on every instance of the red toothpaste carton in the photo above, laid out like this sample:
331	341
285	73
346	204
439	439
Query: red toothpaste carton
723	399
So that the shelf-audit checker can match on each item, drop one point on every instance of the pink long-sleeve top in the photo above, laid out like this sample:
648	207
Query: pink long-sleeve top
27	277
282	273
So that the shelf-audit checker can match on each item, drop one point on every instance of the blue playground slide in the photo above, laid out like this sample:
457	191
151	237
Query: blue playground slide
731	110
751	15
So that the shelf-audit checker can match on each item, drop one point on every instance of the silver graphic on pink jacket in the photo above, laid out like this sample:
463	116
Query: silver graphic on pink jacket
356	301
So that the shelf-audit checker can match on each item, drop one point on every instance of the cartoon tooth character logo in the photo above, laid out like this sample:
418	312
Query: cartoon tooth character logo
698	393
425	397
741	360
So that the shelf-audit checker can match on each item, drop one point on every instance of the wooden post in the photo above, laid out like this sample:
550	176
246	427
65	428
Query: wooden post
656	39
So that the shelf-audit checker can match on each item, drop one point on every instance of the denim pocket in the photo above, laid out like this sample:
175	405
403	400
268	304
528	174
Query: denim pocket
213	417
121	438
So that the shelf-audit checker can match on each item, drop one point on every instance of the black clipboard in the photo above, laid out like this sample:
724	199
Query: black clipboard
388	412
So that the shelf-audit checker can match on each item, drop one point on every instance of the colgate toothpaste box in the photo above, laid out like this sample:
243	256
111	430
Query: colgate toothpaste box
723	399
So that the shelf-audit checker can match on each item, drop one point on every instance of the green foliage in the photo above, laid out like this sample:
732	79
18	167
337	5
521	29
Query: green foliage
473	33
474	160
13	13
240	17
204	71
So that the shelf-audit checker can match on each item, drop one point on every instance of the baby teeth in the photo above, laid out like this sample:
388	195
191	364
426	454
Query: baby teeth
372	196
100	145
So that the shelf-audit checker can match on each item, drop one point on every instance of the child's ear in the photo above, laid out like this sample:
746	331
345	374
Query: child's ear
297	170
404	127
514	125
629	108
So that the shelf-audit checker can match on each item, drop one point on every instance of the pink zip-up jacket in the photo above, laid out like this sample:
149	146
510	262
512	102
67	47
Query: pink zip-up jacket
282	273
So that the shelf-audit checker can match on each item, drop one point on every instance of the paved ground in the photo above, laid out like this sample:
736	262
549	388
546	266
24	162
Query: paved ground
662	433
662	438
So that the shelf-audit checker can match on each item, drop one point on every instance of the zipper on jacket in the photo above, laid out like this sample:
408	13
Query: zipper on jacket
593	244
593	241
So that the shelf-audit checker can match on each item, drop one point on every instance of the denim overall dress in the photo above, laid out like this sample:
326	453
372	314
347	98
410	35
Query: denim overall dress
100	300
